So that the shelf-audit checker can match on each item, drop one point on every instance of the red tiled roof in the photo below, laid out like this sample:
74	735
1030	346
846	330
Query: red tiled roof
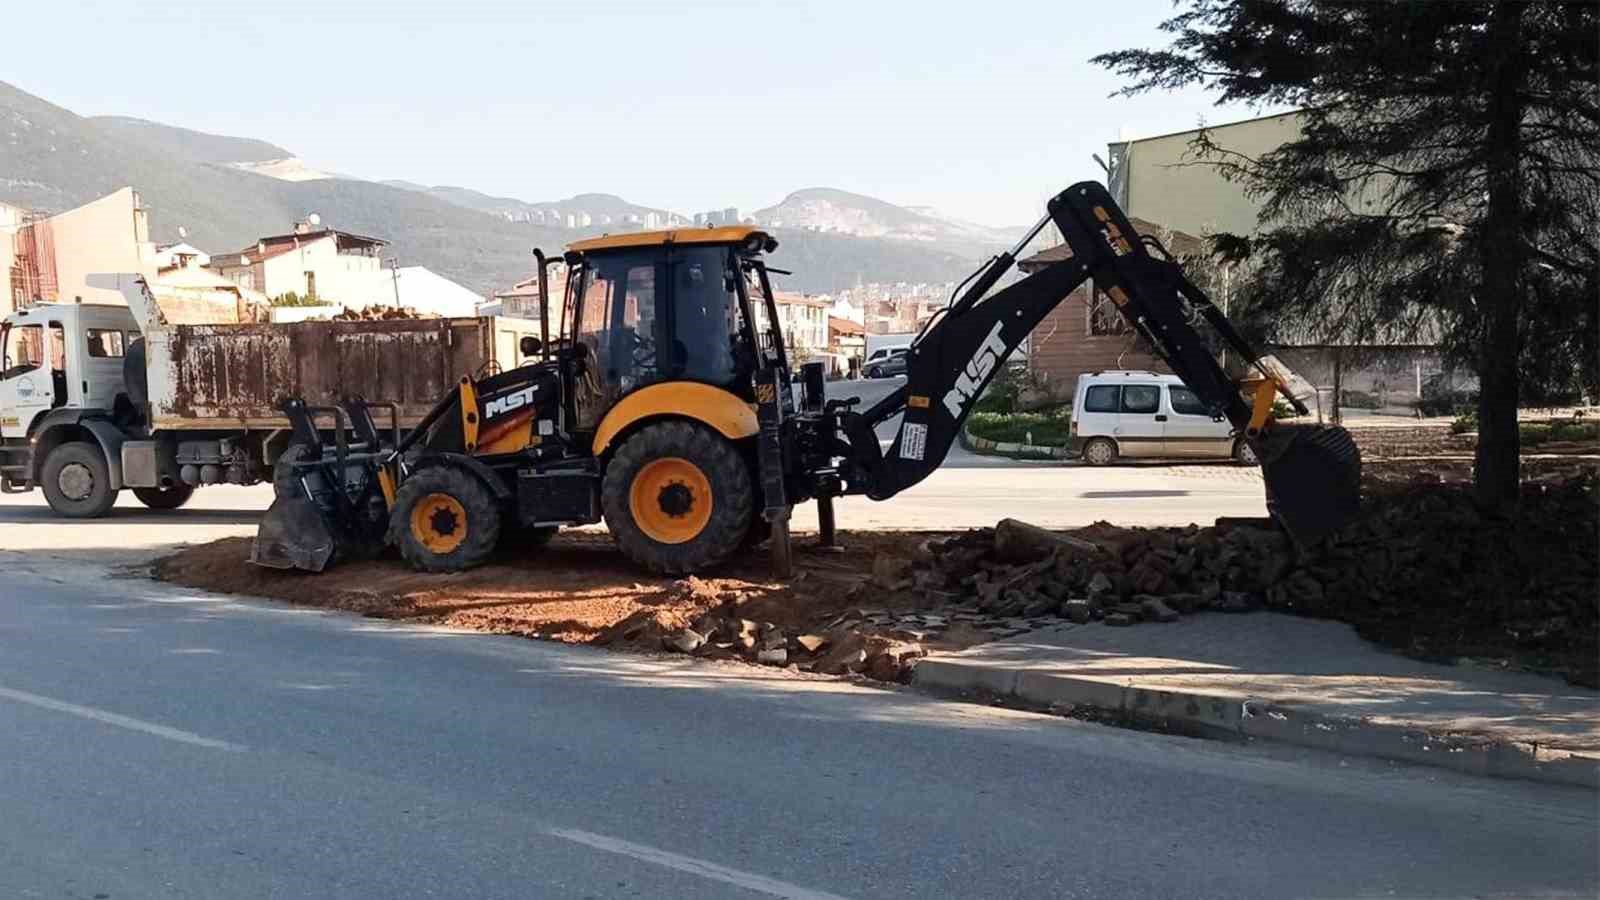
845	326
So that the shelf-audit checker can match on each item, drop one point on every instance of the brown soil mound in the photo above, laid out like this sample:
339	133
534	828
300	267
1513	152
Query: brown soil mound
577	589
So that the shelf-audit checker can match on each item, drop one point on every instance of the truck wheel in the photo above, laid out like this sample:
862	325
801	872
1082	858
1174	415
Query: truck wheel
444	520
677	497
1244	454
1100	452
77	481
164	498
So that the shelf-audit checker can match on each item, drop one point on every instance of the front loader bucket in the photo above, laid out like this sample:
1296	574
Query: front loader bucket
1313	478
294	535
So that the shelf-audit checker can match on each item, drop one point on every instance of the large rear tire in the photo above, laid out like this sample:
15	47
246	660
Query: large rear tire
77	481
677	497
164	498
1100	452
444	520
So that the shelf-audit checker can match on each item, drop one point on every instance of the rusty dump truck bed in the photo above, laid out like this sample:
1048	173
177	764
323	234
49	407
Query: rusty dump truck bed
211	376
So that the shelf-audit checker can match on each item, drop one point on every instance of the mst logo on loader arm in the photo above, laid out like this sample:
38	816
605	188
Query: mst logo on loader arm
511	401
978	369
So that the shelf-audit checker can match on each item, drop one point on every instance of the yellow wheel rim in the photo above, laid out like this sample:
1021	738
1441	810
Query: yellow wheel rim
671	500
439	523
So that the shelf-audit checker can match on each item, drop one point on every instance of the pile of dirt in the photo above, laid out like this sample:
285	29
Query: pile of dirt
1421	570
580	589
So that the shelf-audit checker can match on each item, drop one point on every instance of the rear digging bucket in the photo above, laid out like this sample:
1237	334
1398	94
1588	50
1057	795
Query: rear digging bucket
1313	479
293	535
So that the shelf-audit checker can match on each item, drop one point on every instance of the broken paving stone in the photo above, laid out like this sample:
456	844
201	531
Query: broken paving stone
811	643
1234	602
888	571
1184	602
776	656
848	654
1079	610
1152	608
1100	587
1120	620
685	641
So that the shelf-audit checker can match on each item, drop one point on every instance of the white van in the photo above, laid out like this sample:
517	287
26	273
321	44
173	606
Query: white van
1142	415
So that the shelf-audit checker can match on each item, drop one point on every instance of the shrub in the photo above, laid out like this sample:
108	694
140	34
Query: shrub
1049	428
1359	400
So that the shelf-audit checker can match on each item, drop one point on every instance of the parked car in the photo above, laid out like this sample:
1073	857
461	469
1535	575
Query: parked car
886	361
1142	415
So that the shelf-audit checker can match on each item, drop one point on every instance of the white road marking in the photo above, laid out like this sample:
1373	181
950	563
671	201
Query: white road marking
121	721
749	881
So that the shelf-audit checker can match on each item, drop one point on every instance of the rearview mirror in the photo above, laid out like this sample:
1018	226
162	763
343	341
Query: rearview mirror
531	345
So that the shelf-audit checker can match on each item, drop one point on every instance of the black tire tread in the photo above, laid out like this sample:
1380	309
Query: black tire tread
100	502
732	488
483	519
168	498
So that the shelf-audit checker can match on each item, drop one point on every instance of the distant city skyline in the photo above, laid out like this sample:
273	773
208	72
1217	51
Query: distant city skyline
979	117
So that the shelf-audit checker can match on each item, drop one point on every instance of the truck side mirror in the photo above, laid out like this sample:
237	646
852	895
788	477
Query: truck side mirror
531	345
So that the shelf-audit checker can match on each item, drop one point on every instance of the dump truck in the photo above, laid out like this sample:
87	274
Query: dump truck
100	398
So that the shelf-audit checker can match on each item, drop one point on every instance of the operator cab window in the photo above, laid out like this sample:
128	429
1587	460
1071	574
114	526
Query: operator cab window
1140	398
705	314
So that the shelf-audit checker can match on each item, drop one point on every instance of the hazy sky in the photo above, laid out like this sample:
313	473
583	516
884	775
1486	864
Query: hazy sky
980	110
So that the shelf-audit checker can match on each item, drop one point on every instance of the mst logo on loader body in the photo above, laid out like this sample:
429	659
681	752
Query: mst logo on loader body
978	369
511	401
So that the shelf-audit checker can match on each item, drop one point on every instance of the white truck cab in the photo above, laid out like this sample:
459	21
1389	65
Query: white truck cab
1143	415
61	356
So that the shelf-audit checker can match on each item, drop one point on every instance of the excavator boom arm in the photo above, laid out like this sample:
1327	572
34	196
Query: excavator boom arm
962	350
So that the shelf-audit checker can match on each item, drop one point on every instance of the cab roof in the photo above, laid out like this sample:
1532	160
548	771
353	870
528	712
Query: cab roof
727	234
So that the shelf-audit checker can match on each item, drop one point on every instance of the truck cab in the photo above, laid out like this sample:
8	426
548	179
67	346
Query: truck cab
61	356
62	383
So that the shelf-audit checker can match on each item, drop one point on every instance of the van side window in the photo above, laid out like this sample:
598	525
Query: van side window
1185	403
1101	398
1140	398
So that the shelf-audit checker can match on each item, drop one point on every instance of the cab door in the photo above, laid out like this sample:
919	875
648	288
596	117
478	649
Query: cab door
1141	425
95	355
1190	430
26	387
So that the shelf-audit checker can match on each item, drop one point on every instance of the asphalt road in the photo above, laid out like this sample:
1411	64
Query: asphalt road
163	744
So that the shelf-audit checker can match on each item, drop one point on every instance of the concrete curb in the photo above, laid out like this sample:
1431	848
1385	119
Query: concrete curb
1209	715
1006	448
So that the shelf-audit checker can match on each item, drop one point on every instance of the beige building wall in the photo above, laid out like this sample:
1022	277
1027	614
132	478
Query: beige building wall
107	235
1160	179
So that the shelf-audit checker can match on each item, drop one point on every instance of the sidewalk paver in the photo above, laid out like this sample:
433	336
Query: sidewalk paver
1278	677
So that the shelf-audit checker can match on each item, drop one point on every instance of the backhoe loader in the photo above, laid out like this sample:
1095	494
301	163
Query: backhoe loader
664	405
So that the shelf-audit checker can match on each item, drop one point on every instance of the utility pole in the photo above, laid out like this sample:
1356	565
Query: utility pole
394	273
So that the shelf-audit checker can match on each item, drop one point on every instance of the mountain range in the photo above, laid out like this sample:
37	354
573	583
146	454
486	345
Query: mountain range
225	192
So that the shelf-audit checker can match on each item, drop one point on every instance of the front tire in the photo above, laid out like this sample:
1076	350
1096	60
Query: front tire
678	498
444	520
1100	452
77	481
874	372
164	498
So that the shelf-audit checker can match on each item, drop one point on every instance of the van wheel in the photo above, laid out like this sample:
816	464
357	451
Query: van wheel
1100	452
77	481
1244	454
874	372
164	498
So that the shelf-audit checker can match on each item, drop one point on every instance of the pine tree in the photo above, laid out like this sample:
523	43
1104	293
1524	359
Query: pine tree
1446	181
